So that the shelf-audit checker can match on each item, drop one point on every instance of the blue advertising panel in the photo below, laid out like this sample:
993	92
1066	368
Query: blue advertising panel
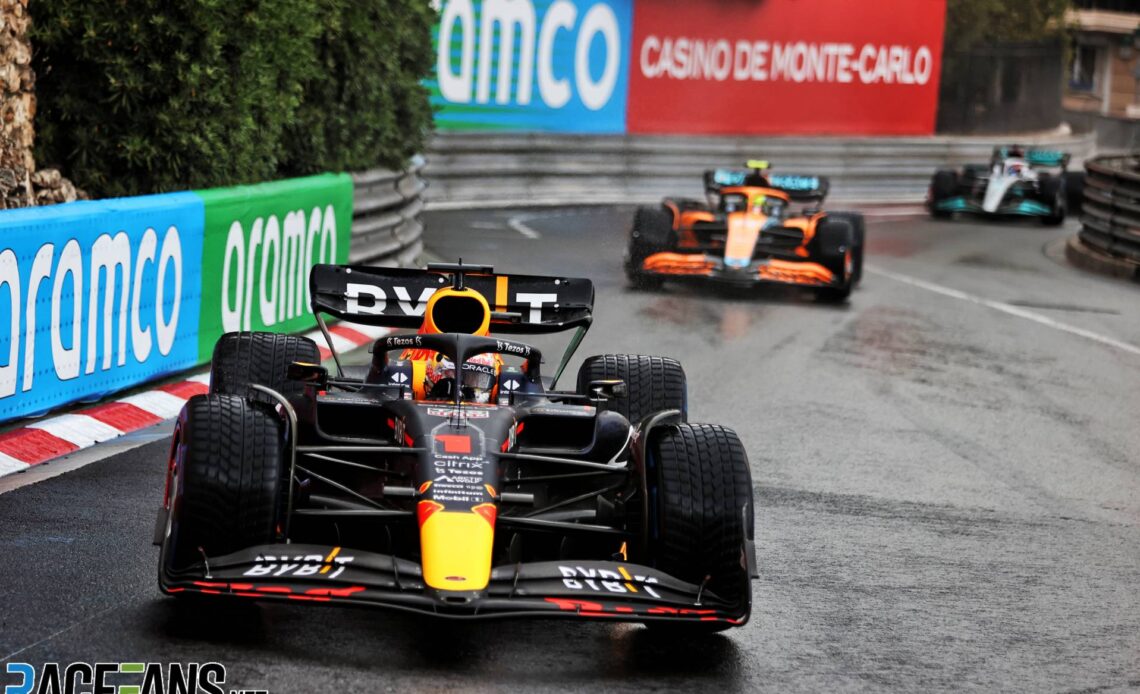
96	297
532	65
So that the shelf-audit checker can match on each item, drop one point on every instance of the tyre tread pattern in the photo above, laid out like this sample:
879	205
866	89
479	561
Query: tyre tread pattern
704	481
652	384
242	359
232	469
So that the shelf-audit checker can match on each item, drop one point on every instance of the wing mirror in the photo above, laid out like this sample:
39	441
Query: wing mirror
608	389
305	372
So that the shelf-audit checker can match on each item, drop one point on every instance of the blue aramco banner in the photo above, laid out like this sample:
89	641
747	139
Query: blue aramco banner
96	296
537	65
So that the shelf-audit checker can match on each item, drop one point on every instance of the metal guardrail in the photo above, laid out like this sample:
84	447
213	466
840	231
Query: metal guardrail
1110	219
386	225
492	168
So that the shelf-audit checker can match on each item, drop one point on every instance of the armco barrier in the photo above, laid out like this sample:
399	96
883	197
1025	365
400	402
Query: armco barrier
1110	219
386	226
100	296
485	168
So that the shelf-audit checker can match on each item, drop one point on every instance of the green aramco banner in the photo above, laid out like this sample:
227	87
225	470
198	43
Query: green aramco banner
260	242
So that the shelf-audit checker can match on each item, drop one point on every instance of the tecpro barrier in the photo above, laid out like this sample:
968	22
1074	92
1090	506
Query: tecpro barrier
1110	220
710	67
96	297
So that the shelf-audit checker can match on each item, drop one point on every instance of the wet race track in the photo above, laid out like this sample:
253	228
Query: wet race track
946	471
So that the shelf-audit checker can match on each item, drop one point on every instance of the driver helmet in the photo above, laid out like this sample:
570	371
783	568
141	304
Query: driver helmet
480	376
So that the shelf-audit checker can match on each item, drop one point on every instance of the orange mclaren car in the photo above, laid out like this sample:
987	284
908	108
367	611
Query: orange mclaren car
749	232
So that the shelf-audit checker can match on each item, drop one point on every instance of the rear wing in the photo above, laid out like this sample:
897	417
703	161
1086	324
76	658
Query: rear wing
1035	157
802	188
1047	157
798	187
397	297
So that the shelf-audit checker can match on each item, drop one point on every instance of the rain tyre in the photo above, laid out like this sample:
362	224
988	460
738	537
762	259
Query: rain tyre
652	232
244	359
228	478
652	384
703	510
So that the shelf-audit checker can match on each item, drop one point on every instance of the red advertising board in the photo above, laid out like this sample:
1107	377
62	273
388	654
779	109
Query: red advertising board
785	67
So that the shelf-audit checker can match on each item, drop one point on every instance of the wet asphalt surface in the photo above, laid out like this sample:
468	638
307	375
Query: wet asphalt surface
947	492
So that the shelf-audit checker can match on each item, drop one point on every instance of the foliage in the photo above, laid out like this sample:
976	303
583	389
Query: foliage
367	105
971	23
151	95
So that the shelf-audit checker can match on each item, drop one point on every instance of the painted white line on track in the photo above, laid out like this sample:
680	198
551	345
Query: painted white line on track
59	632
519	224
1004	308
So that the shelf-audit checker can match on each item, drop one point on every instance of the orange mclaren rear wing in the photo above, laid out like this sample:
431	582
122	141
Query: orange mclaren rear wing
397	297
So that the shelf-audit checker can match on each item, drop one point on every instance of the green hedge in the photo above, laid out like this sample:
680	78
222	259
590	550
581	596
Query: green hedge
366	106
150	95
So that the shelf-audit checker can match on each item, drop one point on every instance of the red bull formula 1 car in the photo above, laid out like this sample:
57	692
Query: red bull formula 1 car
472	492
748	233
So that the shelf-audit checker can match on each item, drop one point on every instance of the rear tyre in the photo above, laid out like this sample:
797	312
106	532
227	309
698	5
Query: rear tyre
702	511
1053	194
652	232
227	479
652	384
834	248
942	187
255	358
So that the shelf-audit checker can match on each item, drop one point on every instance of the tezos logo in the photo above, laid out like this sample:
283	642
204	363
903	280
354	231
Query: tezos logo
512	348
405	341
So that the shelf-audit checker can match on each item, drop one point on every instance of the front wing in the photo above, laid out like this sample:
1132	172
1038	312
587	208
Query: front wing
606	590
1011	205
765	270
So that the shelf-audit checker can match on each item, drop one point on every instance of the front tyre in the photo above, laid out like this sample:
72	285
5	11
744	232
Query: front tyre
652	233
227	479
859	239
834	248
702	511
